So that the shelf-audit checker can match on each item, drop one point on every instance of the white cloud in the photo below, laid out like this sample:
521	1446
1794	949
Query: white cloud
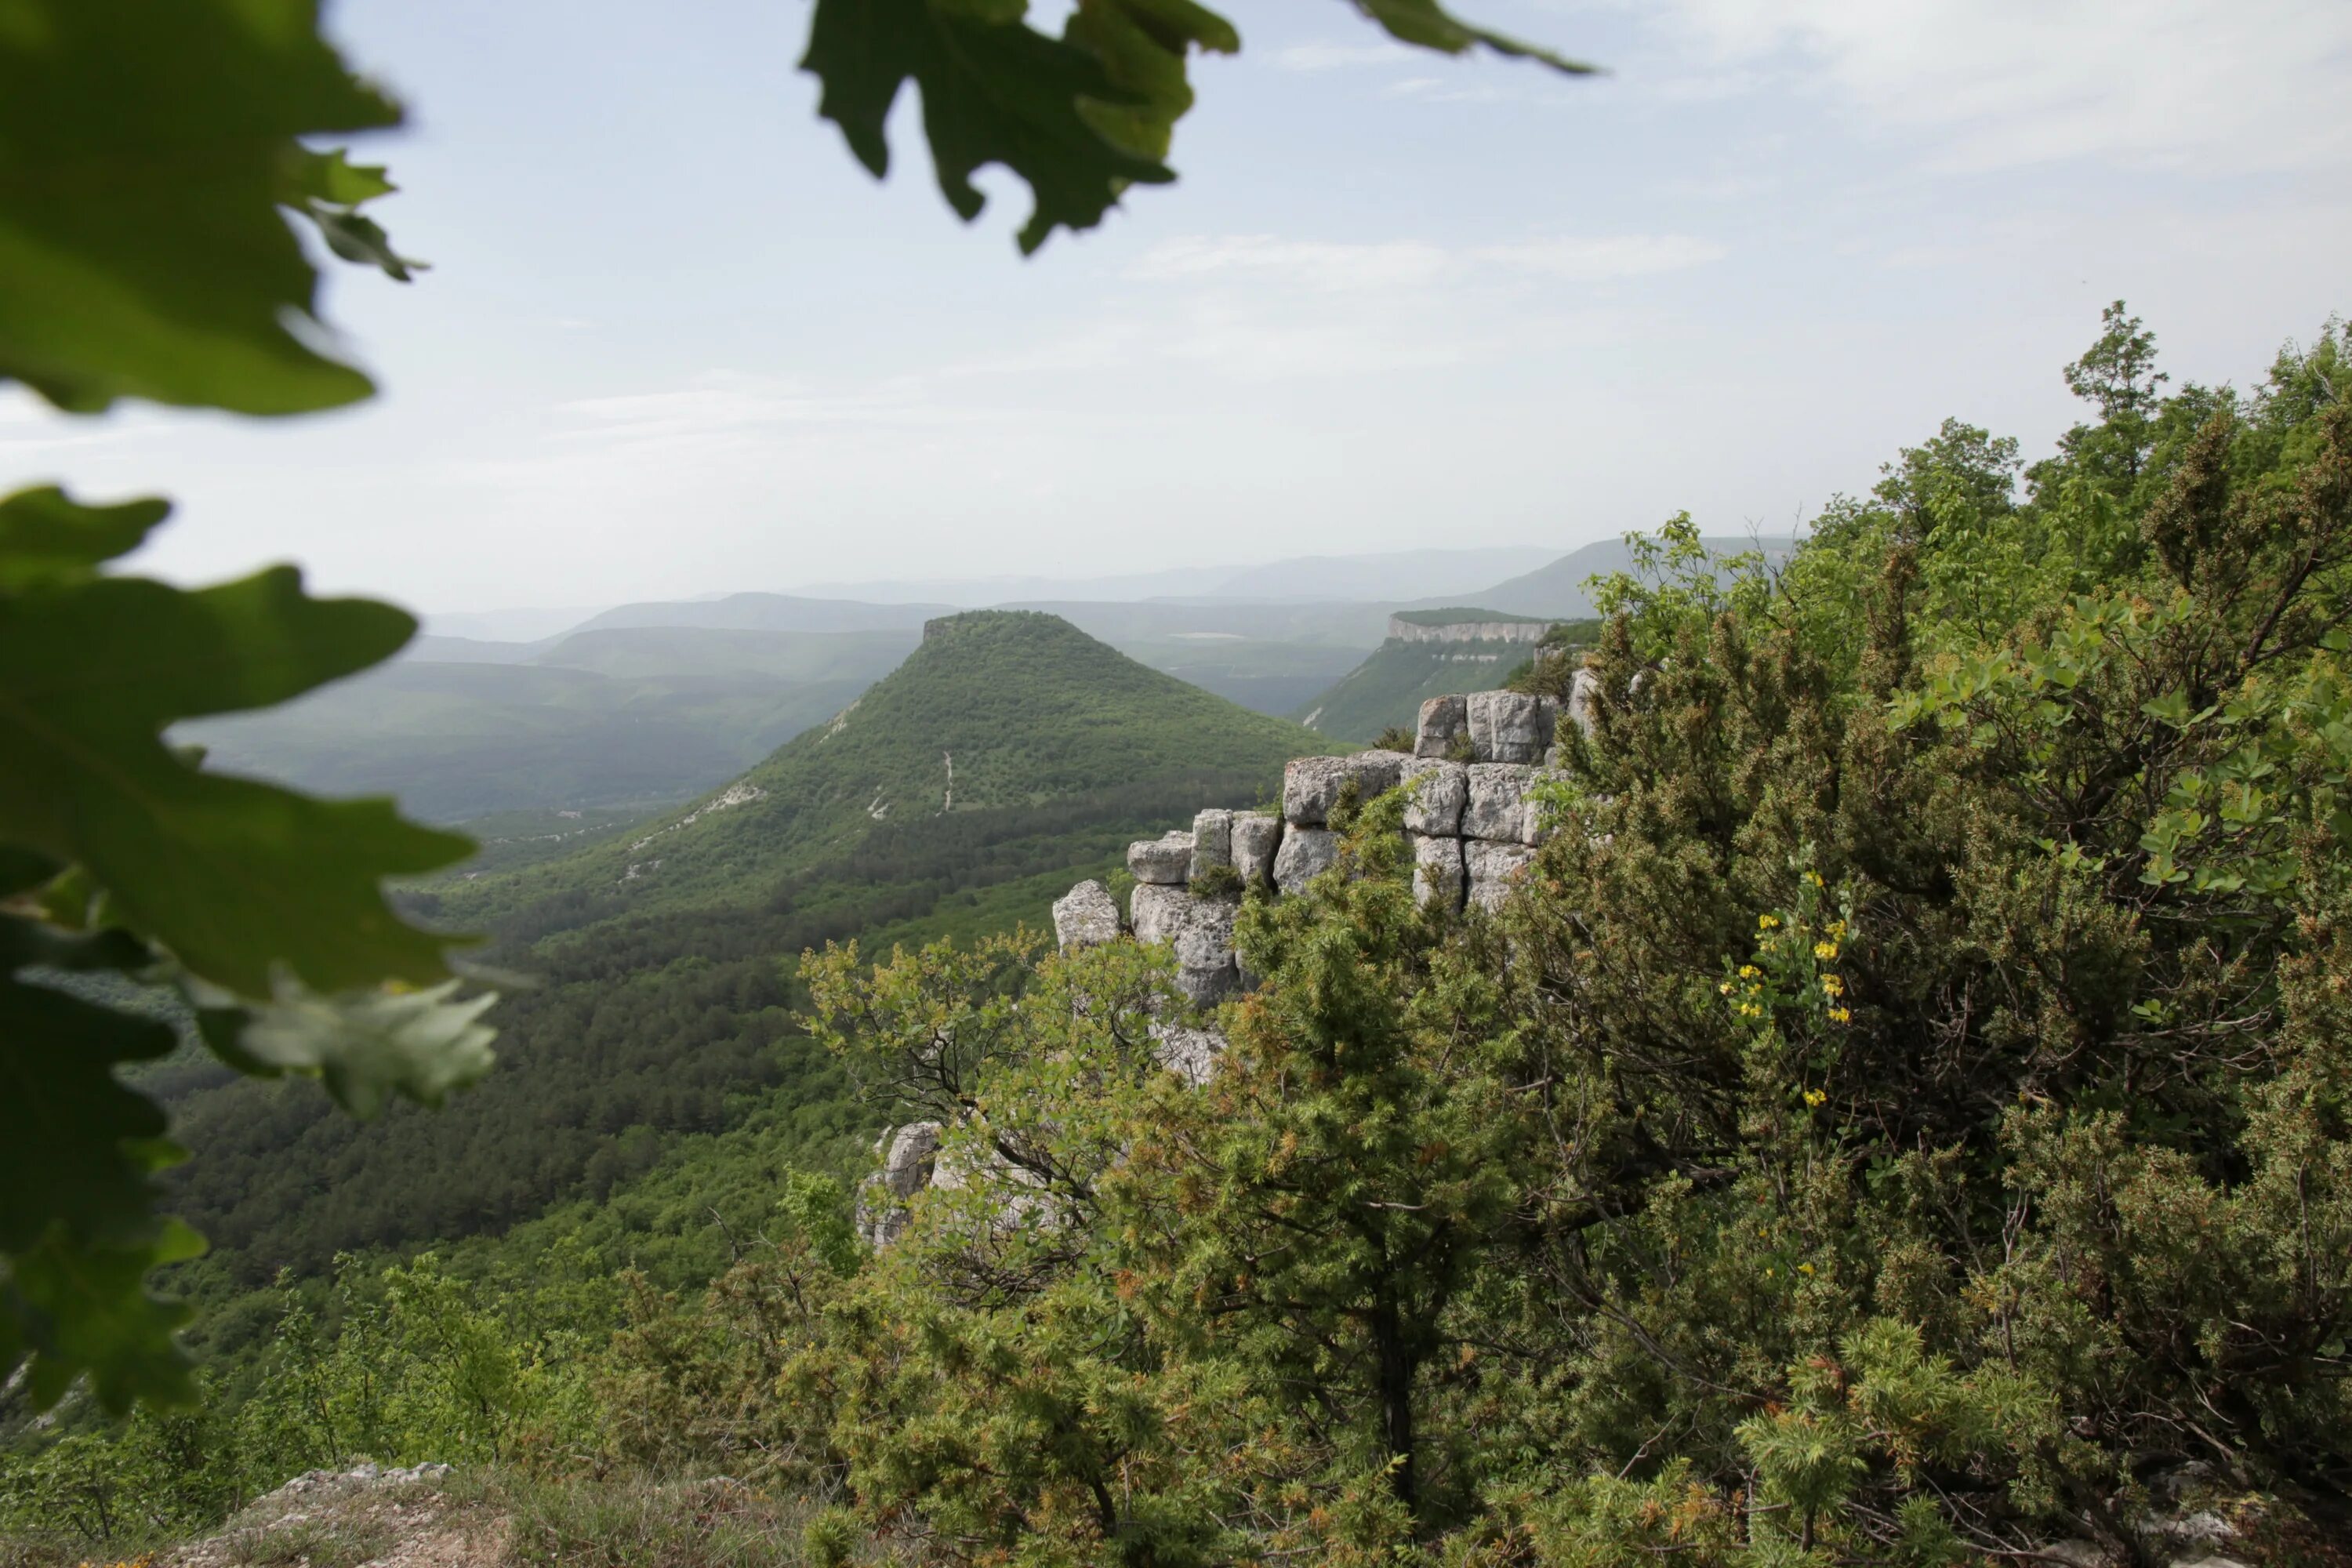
1326	57
1333	266
1317	264
1607	256
2190	85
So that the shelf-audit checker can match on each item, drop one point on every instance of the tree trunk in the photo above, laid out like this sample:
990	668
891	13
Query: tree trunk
1396	1368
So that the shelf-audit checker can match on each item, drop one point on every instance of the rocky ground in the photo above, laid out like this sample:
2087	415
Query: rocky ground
383	1518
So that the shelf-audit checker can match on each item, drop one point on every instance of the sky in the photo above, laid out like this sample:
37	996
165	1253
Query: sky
675	342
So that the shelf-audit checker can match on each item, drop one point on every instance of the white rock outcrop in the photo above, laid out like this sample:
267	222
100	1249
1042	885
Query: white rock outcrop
1498	808
1213	841
1511	726
1167	859
1492	869
1306	853
908	1167
1085	916
1444	724
1257	836
1437	870
1435	791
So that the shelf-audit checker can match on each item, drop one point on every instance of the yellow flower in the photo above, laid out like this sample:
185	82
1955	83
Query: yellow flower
1814	878
1836	928
1833	986
1724	988
1748	971
1814	1096
1804	1269
1766	922
1824	950
1841	1015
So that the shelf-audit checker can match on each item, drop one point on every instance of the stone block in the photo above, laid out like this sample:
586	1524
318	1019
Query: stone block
1190	1054
1496	809
1436	791
1255	837
1583	690
1085	916
1510	726
1157	911
1492	869
1437	870
1212	840
1313	786
1167	861
1443	720
1305	853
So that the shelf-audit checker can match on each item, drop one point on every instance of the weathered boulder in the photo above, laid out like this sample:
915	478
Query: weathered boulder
1201	933
1212	840
1492	869
1313	786
1204	939
1435	791
1166	860
914	1152
1190	1054
1444	720
1255	836
1157	911
1437	873
1310	786
1497	809
1511	726
1085	916
1583	688
1306	852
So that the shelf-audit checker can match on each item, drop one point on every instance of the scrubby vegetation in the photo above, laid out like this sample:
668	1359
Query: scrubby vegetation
1905	1117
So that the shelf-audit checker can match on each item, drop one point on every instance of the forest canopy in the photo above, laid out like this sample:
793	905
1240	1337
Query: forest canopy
1903	1118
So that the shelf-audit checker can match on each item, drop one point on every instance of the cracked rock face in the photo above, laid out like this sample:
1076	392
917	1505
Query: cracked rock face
1313	786
1444	720
1166	860
1201	931
1497	809
1435	792
1493	868
1511	726
1085	916
1213	841
1190	1054
1255	837
906	1170
1437	871
1306	852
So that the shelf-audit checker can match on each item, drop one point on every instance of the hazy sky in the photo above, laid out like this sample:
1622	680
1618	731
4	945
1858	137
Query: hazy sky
675	342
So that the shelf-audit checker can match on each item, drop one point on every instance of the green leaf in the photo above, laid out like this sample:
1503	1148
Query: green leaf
144	151
995	90
47	537
1142	46
73	1308
77	1147
1429	25
233	876
365	1046
327	188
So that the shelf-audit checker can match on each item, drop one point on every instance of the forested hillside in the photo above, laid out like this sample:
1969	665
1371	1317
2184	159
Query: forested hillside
659	1005
1904	1119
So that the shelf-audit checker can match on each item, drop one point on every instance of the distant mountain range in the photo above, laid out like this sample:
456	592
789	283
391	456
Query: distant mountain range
637	704
1556	590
